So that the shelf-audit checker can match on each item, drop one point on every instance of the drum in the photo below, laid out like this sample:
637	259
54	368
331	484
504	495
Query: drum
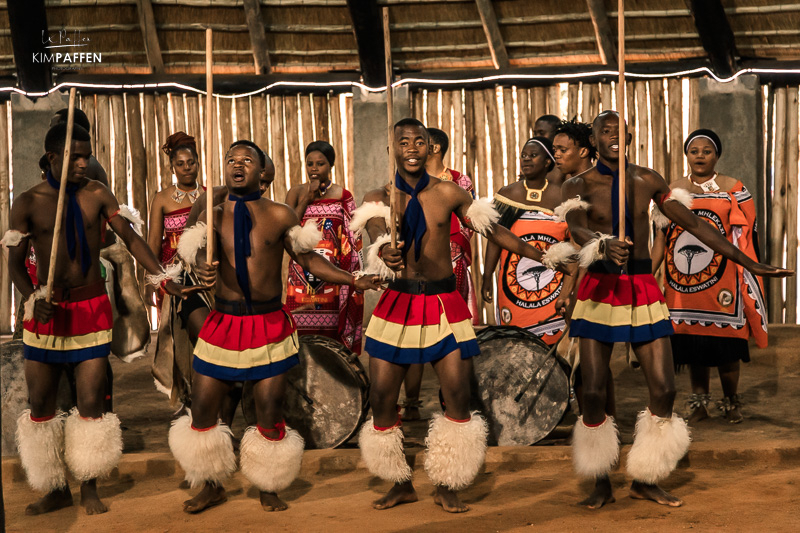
326	396
510	357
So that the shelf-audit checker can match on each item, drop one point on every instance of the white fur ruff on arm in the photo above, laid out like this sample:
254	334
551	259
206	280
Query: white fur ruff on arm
203	455
191	241
456	450
271	465
382	451
595	450
570	205
132	215
658	445
559	254
367	212
92	448
171	272
13	237
482	215
659	219
30	303
375	264
590	252
305	238
41	451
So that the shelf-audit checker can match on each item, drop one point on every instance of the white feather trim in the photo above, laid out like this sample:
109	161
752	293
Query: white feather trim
203	455
658	445
375	264
570	205
132	215
305	238
161	388
590	252
382	452
367	212
658	219
456	450
559	254
41	451
171	272
13	237
92	448
595	450
271	465
30	303
191	241
482	215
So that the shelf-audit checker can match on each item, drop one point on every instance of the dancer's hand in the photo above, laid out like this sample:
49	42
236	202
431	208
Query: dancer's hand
182	291
487	293
206	274
618	251
43	311
769	271
393	257
562	303
368	282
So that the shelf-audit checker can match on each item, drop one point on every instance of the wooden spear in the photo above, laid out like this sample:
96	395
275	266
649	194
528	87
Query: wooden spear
390	130
62	192
621	112
209	151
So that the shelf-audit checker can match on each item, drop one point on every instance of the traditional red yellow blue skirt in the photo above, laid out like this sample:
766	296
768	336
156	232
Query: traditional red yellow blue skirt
79	330
613	307
245	345
416	322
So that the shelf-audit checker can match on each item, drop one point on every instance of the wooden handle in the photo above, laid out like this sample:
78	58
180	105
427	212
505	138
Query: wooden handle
387	47
621	111
209	151
62	192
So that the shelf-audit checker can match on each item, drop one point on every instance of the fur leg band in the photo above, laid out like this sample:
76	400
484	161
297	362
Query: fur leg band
13	237
482	215
658	219
456	450
382	451
30	303
559	254
92	448
658	445
191	241
590	252
570	205
204	455
305	238
375	264
271	465
595	450
41	451
367	212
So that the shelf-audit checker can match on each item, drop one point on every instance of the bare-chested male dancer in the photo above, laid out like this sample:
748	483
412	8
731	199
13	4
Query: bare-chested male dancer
619	301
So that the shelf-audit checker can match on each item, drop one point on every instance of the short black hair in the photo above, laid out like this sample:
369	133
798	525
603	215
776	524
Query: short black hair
604	115
550	119
79	118
439	137
408	121
262	157
44	163
579	132
324	148
57	136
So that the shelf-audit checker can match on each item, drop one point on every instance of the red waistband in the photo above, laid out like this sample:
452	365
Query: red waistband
79	294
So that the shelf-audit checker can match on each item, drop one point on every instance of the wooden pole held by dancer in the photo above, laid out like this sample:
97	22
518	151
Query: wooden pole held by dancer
209	151
62	192
390	121
621	111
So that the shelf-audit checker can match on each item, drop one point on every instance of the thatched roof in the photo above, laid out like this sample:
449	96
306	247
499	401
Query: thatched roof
317	36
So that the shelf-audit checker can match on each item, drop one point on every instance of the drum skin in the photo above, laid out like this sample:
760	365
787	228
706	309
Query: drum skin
330	377
510	357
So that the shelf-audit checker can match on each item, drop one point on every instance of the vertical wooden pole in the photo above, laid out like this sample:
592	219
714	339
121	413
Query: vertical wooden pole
675	95
193	118
349	134
470	137
447	124
321	129
573	96
89	107
387	48
694	104
606	100
178	113
512	145
496	154
336	138
541	104
553	103
277	128
5	210
103	134
260	127
296	162
306	119
778	206
242	106
164	131
225	128
523	116
418	105
658	123
120	163
620	102
457	142
210	145
432	109
792	153
151	145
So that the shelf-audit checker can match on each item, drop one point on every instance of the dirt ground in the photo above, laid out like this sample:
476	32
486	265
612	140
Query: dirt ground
736	478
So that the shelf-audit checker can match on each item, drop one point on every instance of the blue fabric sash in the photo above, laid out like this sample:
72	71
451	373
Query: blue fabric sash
413	226
604	170
74	224
242	225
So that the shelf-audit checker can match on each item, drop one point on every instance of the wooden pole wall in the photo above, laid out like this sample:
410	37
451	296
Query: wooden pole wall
777	229
792	150
5	210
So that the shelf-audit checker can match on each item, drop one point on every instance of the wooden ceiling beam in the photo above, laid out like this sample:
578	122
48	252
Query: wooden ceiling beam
492	30
716	35
147	23
28	22
368	30
258	36
602	32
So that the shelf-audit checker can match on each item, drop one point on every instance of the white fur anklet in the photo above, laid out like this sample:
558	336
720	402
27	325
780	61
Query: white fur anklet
375	264
41	451
659	219
13	237
205	455
191	241
382	451
366	212
271	465
93	447
456	450
658	445
590	252
305	238
559	254
481	214
595	450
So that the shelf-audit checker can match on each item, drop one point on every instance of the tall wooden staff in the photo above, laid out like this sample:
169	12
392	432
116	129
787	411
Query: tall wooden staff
390	119
62	192
209	152
621	111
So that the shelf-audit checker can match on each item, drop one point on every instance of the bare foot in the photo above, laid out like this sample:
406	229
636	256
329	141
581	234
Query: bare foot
270	502
449	501
410	414
58	499
734	415
601	495
700	413
90	500
643	491
399	493
210	496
